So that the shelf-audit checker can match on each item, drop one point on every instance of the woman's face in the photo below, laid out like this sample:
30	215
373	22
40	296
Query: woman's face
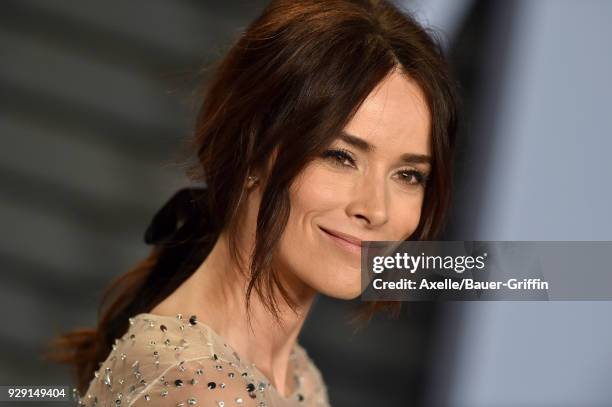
360	193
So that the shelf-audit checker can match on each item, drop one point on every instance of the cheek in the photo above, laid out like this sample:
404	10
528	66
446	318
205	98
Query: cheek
316	189
405	217
302	249
309	196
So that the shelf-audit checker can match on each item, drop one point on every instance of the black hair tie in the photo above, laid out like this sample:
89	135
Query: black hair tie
179	218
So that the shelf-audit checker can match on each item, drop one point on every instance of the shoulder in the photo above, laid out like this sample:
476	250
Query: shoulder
313	381
202	381
172	361
188	363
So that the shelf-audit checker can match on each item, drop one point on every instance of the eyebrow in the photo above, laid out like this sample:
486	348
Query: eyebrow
363	145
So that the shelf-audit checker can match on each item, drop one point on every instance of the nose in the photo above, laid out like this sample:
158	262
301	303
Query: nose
368	204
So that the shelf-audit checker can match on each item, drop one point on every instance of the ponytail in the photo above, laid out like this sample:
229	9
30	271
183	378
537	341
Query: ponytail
182	234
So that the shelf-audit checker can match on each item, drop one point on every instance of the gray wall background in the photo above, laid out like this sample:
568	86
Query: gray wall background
538	169
96	98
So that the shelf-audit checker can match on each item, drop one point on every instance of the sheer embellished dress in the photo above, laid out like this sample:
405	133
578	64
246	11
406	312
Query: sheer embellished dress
177	361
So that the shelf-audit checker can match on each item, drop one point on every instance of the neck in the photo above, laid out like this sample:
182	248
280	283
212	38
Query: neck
216	292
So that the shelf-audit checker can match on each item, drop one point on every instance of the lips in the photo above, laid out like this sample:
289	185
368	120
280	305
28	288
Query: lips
343	236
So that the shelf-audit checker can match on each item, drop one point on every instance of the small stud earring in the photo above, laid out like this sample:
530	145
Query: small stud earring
253	179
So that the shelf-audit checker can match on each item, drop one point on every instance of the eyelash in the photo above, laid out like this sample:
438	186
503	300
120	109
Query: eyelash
338	157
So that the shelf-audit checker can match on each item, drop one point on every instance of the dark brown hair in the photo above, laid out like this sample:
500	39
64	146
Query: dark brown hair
286	89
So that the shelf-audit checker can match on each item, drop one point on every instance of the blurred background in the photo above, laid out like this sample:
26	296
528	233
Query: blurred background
97	97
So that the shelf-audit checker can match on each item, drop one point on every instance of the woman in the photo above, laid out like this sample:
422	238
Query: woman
326	124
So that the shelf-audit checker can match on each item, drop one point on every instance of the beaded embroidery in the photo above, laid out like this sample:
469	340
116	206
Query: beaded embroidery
166	361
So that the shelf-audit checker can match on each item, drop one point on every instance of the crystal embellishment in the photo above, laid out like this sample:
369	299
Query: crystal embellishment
114	376
107	377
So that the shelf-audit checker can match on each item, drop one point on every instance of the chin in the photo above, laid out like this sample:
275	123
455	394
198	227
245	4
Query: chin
341	292
348	296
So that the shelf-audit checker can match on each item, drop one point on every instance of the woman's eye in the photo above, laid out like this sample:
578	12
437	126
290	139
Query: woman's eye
413	177
339	157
